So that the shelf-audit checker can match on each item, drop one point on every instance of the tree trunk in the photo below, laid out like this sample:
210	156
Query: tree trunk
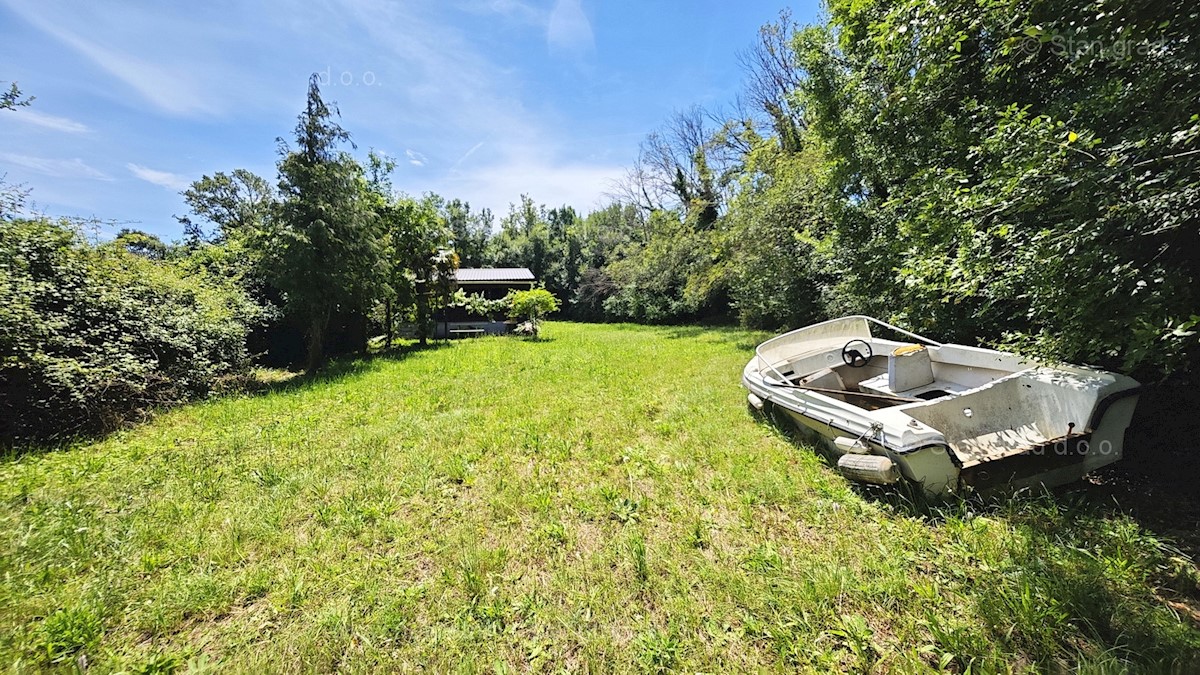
316	341
387	320
423	318
364	326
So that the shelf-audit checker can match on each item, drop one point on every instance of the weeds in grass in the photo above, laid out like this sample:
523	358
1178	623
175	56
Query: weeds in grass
268	476
658	650
856	635
68	631
625	510
637	556
555	533
699	536
459	469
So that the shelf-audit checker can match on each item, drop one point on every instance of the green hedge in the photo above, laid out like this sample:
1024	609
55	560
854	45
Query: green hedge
92	336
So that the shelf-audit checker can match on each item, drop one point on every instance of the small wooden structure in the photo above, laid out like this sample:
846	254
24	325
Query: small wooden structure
492	283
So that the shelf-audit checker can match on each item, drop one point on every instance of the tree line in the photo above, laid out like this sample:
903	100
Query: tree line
1024	176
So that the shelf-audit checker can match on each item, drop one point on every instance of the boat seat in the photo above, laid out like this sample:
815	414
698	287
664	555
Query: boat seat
909	367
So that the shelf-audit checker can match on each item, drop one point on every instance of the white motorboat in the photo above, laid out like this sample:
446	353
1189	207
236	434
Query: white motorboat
944	418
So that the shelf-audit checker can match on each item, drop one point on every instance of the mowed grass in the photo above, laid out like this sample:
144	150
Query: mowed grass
596	501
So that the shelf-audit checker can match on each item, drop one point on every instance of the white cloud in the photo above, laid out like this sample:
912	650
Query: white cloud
435	80
569	30
171	181
452	90
55	168
548	182
173	91
30	116
415	158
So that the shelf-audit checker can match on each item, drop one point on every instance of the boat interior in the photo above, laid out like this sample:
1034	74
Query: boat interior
986	403
877	373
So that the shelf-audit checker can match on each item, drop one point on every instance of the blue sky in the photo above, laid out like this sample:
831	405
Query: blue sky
477	99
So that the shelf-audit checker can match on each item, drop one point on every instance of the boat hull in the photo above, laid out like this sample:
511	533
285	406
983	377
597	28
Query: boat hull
991	422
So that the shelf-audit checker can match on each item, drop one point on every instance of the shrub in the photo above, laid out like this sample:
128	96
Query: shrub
531	306
93	335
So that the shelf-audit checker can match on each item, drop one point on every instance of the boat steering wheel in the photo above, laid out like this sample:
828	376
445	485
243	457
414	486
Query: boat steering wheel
854	358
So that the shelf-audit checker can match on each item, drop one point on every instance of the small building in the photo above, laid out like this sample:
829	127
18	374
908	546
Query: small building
492	283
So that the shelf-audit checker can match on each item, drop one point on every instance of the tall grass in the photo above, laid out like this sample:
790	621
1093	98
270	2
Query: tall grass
597	500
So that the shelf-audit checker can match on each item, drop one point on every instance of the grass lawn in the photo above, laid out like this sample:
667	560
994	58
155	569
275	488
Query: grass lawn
599	500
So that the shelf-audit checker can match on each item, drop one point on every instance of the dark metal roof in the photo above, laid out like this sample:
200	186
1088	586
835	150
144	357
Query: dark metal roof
482	275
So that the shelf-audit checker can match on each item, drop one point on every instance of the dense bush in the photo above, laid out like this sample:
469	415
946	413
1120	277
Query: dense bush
1020	173
92	335
667	278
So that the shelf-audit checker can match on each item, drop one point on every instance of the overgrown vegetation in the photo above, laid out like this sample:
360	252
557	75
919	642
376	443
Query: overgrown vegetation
92	334
334	240
605	505
1022	174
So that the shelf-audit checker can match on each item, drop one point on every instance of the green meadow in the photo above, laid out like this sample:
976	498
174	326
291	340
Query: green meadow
597	500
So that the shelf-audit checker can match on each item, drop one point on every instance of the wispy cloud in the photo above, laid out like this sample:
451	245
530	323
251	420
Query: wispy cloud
170	90
415	158
171	181
465	156
569	30
513	9
55	168
31	116
447	86
455	79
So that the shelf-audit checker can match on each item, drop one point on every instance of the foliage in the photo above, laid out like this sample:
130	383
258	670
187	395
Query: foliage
1019	174
681	167
524	239
91	336
771	256
142	243
239	204
335	246
549	242
477	304
12	98
469	232
668	278
533	304
12	199
374	519
595	287
323	249
420	263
